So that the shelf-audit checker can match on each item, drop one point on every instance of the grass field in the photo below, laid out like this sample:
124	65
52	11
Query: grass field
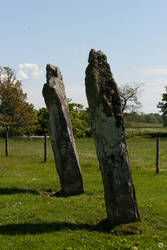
144	125
29	219
147	132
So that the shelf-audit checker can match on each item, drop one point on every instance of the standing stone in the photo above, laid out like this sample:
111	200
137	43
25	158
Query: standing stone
108	132
60	131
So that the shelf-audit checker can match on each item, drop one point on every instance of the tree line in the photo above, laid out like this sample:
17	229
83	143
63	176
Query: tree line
19	117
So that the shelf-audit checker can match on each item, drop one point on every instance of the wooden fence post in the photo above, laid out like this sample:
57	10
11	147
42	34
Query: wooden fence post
157	155
6	142
45	147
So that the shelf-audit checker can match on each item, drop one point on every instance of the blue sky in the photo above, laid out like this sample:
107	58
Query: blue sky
131	33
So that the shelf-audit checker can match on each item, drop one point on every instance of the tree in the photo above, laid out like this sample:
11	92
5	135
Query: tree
131	119
42	118
163	107
79	118
16	114
129	97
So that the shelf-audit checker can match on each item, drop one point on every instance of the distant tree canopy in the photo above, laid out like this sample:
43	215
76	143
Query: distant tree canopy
79	118
16	114
42	121
142	118
163	107
81	121
129	97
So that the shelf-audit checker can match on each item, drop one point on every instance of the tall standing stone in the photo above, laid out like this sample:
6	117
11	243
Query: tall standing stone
108	132
60	131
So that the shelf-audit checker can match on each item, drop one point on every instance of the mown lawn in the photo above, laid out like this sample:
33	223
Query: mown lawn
29	219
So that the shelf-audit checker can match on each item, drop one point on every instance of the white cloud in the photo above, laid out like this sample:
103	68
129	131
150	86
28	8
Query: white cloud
155	71
152	94
21	75
29	71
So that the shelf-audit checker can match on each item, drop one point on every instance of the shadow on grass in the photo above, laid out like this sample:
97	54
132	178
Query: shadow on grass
31	228
16	191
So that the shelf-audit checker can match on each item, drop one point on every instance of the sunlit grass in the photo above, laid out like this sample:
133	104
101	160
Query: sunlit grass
148	132
31	220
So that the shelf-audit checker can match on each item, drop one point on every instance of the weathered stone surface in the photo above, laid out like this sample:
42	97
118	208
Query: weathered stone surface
60	131
108	132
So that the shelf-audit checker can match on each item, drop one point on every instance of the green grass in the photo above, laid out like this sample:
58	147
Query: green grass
31	220
146	132
143	125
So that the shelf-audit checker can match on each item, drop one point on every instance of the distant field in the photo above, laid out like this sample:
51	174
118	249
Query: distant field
146	132
144	125
29	219
149	130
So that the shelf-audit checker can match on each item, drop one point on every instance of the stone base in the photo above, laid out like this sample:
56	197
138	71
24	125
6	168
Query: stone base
61	193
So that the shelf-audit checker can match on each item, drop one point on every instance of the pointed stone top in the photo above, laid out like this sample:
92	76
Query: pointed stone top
54	71
96	55
101	88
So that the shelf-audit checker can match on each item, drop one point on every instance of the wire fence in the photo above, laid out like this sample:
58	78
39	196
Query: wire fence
151	153
34	146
